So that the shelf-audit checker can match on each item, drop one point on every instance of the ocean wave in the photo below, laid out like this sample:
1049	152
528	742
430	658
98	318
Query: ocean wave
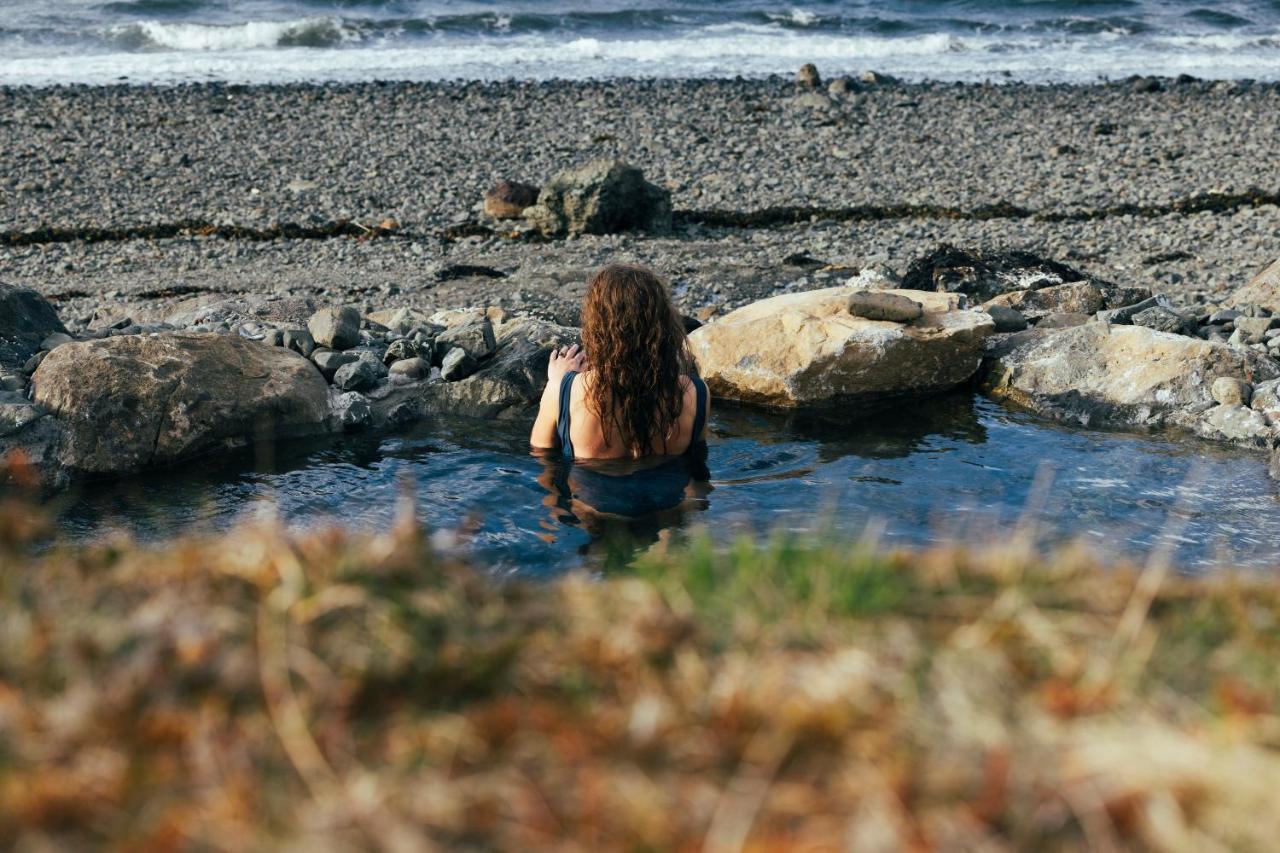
163	35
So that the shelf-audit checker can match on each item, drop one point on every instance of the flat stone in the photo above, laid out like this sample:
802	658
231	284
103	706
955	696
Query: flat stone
882	305
1062	320
1164	319
1073	298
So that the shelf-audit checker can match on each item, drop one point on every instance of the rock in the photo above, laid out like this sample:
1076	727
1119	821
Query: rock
133	402
1263	289
352	410
16	411
457	364
335	328
1103	375
300	342
359	375
411	368
985	276
213	308
1236	424
1164	319
806	349
875	78
273	337
55	340
1223	316
1117	296
329	361
33	362
401	350
807	77
26	320
1063	320
1006	318
602	197
475	338
875	277
839	87
811	101
510	383
509	199
1123	316
1230	391
882	305
1075	298
1251	330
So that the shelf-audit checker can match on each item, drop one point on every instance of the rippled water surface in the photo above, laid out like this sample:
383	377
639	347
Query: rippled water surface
954	467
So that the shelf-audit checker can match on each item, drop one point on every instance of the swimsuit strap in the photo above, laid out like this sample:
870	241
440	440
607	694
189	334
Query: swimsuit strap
562	423
700	413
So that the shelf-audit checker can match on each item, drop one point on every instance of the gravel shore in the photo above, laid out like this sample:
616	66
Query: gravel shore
1092	175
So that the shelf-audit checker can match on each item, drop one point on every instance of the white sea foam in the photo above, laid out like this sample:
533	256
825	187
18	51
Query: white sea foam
251	52
307	32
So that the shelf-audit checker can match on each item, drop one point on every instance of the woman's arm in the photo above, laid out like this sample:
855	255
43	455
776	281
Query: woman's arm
563	360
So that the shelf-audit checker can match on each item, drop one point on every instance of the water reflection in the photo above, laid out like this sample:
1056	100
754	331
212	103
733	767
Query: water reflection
623	506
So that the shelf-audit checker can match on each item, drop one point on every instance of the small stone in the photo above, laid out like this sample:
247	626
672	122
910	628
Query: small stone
401	350
274	337
353	410
299	341
1064	150
878	305
839	87
875	78
335	328
33	362
12	382
475	338
1007	319
1164	319
1229	391
1063	320
329	361
1223	316
55	340
1251	330
807	77
508	199
457	364
411	368
358	375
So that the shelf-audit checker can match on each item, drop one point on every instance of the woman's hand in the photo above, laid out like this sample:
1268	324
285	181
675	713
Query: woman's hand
564	360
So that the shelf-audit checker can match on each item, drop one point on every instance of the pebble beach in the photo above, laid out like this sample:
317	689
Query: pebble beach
1166	184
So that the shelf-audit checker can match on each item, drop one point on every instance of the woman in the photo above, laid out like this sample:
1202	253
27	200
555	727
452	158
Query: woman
629	394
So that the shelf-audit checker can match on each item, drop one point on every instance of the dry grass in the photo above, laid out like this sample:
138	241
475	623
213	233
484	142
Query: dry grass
334	692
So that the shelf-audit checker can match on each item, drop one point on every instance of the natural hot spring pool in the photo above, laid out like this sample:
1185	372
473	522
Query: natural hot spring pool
953	467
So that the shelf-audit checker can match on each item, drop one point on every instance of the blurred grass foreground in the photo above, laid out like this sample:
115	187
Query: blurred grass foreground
335	691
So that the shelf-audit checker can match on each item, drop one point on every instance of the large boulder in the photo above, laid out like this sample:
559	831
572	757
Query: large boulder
1106	375
808	349
602	197
1263	289
26	319
137	401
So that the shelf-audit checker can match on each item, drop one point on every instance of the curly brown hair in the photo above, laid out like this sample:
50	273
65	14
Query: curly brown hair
638	351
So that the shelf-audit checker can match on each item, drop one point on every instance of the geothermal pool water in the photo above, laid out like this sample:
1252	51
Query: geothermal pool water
956	467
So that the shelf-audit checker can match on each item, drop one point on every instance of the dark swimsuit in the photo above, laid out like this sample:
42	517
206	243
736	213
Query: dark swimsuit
636	492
